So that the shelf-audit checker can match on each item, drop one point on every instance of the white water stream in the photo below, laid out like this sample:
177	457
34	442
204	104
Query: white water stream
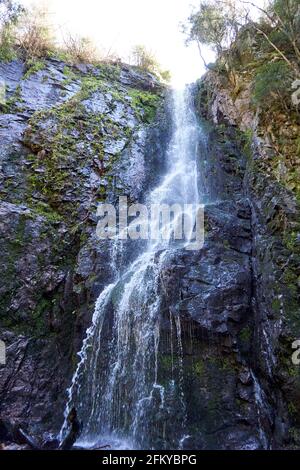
115	388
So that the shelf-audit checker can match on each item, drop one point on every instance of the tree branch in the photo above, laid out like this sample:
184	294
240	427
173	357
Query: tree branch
201	55
290	64
245	2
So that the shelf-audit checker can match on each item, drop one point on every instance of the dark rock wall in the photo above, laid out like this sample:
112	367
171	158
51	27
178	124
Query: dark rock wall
70	137
211	290
274	264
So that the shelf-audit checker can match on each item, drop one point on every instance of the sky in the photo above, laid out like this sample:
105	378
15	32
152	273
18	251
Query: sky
118	25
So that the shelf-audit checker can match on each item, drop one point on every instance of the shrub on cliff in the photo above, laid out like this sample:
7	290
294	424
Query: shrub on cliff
24	32
146	60
10	12
218	23
35	38
272	84
29	34
214	24
80	49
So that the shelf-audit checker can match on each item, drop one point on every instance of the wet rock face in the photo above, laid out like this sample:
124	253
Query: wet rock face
219	106
211	291
70	138
274	266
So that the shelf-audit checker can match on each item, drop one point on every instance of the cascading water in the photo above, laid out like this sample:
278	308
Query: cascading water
116	388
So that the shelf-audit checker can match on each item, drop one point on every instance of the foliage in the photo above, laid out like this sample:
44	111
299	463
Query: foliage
145	104
10	12
283	18
165	75
272	81
208	26
7	52
279	39
215	24
287	14
33	66
288	17
146	60
34	35
27	33
80	49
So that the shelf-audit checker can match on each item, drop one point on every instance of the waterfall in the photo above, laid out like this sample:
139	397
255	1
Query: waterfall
116	388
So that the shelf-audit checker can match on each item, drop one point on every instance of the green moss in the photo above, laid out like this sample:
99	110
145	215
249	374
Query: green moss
55	148
276	305
199	367
245	334
43	306
33	66
226	243
70	74
292	312
290	239
108	71
292	409
293	371
10	105
295	436
225	364
13	248
166	362
43	209
247	140
90	85
145	104
290	278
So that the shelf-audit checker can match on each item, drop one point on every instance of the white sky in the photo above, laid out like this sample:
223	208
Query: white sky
118	25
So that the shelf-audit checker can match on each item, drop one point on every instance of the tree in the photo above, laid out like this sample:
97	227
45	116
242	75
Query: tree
147	61
283	18
10	12
144	59
208	26
26	30
215	24
80	49
272	82
34	33
166	75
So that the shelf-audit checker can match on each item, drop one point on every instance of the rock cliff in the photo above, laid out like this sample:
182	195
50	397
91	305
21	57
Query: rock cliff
70	137
273	211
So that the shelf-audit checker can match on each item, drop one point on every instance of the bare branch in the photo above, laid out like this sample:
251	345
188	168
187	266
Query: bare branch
201	55
290	64
245	2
